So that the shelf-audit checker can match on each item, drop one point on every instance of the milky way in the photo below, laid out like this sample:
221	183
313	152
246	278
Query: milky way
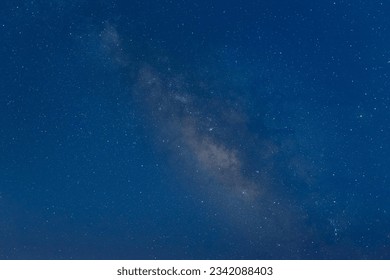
238	170
187	129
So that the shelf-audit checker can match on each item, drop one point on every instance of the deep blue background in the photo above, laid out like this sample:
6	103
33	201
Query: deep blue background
82	173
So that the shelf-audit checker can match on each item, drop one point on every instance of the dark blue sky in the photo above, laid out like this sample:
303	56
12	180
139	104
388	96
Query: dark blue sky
194	130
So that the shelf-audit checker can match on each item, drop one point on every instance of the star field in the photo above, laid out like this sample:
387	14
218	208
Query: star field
194	130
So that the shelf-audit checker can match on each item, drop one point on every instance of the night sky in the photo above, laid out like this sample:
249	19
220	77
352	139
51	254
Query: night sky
195	129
